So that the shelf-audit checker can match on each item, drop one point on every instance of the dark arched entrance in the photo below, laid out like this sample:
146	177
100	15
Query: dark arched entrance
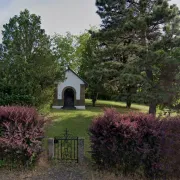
68	98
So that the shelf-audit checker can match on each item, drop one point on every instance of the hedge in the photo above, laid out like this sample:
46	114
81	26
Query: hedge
21	133
135	143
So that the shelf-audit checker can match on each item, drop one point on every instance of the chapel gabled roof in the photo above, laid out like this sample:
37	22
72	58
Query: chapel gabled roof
69	69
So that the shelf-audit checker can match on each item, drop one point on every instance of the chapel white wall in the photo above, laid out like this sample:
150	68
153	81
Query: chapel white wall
71	80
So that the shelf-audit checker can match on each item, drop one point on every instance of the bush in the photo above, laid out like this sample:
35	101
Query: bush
148	140
21	133
170	146
6	99
126	143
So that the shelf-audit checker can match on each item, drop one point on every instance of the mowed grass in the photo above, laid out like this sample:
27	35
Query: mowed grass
78	121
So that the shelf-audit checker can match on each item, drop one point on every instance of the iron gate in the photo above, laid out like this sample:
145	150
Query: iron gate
66	147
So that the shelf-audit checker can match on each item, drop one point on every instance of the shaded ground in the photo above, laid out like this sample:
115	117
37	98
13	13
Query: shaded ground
60	172
46	171
49	170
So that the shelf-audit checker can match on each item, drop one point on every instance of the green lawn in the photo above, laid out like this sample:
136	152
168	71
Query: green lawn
78	121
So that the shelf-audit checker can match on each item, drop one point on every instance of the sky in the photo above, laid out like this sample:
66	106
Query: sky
58	16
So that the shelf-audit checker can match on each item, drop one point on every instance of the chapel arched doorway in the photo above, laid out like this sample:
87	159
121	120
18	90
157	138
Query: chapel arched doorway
69	98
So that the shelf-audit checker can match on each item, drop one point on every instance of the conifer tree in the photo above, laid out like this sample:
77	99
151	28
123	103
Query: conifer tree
139	42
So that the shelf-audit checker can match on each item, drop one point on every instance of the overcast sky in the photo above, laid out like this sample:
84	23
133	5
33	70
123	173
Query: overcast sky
57	16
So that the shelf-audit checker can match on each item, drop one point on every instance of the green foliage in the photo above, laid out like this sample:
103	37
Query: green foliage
16	99
2	163
65	49
69	49
90	71
139	44
29	66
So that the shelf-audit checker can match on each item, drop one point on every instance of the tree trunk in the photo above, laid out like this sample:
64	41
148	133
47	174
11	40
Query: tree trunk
152	108
94	99
149	74
94	102
128	101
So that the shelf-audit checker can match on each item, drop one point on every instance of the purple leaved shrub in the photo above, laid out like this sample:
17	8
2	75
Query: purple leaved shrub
127	142
170	146
21	130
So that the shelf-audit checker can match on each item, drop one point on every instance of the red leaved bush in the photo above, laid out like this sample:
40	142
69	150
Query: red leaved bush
21	132
170	146
126	142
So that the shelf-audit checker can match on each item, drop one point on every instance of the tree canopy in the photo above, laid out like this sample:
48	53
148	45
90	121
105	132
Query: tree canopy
29	67
139	43
135	55
69	49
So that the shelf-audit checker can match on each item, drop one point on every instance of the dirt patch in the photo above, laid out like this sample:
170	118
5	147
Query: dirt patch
46	170
55	172
59	171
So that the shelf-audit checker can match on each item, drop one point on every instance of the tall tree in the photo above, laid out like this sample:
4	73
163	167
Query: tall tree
130	30
69	49
29	67
117	52
89	69
65	47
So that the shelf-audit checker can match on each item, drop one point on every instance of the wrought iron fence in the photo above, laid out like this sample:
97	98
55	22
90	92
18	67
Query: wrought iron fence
66	147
